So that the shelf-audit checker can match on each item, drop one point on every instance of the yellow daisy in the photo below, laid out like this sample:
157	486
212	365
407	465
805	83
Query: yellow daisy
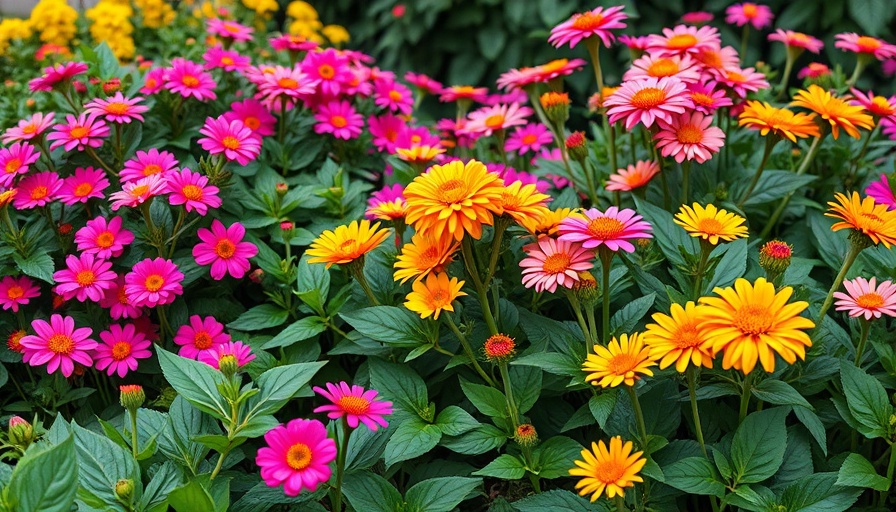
621	361
608	471
424	254
345	244
679	338
837	112
864	215
711	223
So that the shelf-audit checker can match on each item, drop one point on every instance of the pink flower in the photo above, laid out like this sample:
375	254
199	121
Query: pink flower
814	70
881	192
741	81
796	40
135	193
189	80
632	177
463	92
37	190
287	42
254	115
867	299
340	119
510	175
153	282
354	404
487	120
852	42
689	136
517	78
229	30
879	106
330	69
120	349
285	84
105	240
117	109
148	163
683	68
393	96
241	352
154	81
29	128
58	345
387	203
760	16
551	262
385	130
232	138
707	99
116	301
57	76
888	67
199	336
597	22
613	229
528	138
192	190
15	160
648	100
297	456
224	249
84	278
682	40
87	182
423	83
637	43
86	130
697	17
16	291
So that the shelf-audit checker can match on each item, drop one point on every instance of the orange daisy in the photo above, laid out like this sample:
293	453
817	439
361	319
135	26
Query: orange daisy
524	203
780	122
622	361
424	254
679	338
837	112
436	294
873	220
345	244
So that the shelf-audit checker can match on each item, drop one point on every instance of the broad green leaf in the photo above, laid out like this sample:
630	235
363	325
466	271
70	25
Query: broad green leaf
185	421
819	493
157	490
757	449
526	382
295	332
262	498
814	425
313	284
102	463
775	184
439	494
390	325
370	492
732	265
552	362
485	399
260	317
45	481
39	265
454	421
778	392
481	439
867	400
856	471
871	15
505	467
602	405
366	447
412	438
400	384
554	457
278	385
625	319
192	496
558	500
669	236
195	381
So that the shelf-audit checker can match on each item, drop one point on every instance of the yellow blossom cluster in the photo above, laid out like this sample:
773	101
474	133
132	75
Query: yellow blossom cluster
54	20
306	23
111	23
13	29
155	13
262	8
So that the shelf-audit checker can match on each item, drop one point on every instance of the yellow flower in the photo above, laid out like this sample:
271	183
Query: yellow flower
7	196
13	29
548	222
345	244
864	215
679	338
155	13
337	34
419	154
710	223
306	29
437	293
55	21
780	122
524	203
425	254
837	112
111	23
302	11
621	361
608	471
262	7
752	322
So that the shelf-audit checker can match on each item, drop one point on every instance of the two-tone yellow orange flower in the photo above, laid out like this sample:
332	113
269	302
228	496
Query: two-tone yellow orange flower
711	224
419	154
435	294
345	244
780	122
751	322
454	198
679	338
524	203
608	470
548	222
836	111
621	361
7	196
424	254
873	220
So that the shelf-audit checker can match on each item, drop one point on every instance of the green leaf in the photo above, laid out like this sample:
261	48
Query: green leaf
554	457
184	421
732	265
552	362
505	467
260	317
45	481
856	471
195	381
102	463
526	386
313	284
774	184
300	330
278	385
370	492
757	449
867	400
779	393
481	439
400	384
602	405
157	490
192	496
832	246
814	425
39	265
870	15
485	399
627	318
412	438
390	325
669	236
454	421
695	475
819	493
440	494
560	501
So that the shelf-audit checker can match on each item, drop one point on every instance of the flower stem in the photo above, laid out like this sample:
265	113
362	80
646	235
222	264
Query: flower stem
692	390
340	465
770	142
586	332
685	180
705	250
501	224
891	467
592	44
745	397
813	149
508	391
788	67
468	350
639	416
851	255
620	504
134	446
473	271
861	62
357	270
606	258
744	39
866	327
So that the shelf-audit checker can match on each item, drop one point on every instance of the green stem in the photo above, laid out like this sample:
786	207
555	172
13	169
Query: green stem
611	138
340	465
891	466
692	391
501	224
705	250
468	350
745	397
851	255
606	258
744	39
639	416
861	61
535	482
788	67
470	263
586	332
358	273
592	44
508	391
685	180
620	504
100	161
866	327
770	142
134	447
813	149
219	465
592	322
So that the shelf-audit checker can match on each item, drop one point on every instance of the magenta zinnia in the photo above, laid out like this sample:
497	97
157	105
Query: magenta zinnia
16	291
58	344
87	182
153	282
355	405
192	190
120	349
297	456
117	109
200	335
84	278
81	132
612	229
16	160
224	249
239	351
230	138
106	239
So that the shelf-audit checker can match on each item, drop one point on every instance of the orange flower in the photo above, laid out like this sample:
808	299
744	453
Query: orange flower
837	112
622	361
780	122
679	338
864	215
345	244
524	203
425	254
433	296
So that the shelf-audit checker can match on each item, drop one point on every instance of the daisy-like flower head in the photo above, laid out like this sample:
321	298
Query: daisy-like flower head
200	335
550	262
487	120
331	70
715	59
385	130
679	338
297	456
284	83
523	203
57	76
622	361
37	190
865	216
387	204
423	255
340	119
530	137
59	345
463	92
355	404
120	348
346	244
711	224
796	40
16	160
153	282
780	122
14	341
598	22
757	15
419	154
17	291
227	29
292	43
86	130
555	69
697	18
224	249
87	182
814	70
549	222
188	79
682	39
393	96
634	176
689	136
751	322
683	68
454	198
740	81
516	79
104	239
148	163
613	229
608	471
84	278
28	129
865	45
636	43
192	190
836	111
230	138
154	81
423	83
117	109
135	193
254	115
644	101
866	298
228	60
881	192
240	353
433	295
116	301
879	106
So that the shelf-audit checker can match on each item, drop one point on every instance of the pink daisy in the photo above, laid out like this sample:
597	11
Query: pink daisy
888	67
487	120
224	249
29	128
87	182
153	282
200	335
119	350
330	69
154	81
648	100
551	262
879	106
866	298
881	192
135	193
192	190
683	39
597	22
689	136
852	42
463	93
517	78
340	119
116	301
387	203
84	278
354	404
554	69
636	43
37	190
86	130
510	175
385	130
188	79
230	138
148	163
282	83
16	291
58	345
423	83
632	177
104	239
57	76
528	138
241	352
297	456
15	160
393	96
613	229
287	42
697	18
760	16
715	59
254	115
706	98
118	109
741	81
683	68
796	40
814	70
230	30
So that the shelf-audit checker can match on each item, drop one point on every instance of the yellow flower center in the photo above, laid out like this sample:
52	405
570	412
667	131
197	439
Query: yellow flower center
556	263
233	29
79	132
39	192
530	139
230	142
252	122
710	226
879	107
753	319
620	364
117	108
395	95
15	292
663	67
227	61
338	121
681	42
202	340
868	44
85	277
83	189
451	191
225	248
605	228
690	134
608	472
326	71
151	169
750	10
354	404
139	190
587	21
192	192
61	344
13	165
871	300
190	81
299	456
287	83
105	239
647	98
121	350
349	246
494	122
154	282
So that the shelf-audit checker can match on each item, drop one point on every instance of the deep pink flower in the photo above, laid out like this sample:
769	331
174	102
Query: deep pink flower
227	29
37	190
683	39
706	98
199	336
15	160
192	190
385	130
297	456
878	106
340	119
285	84
528	138
757	15
288	42
697	17
551	262
120	348
423	83
84	278
86	130
228	60
29	128
387	203
105	239
354	404
689	136
230	138
135	193
153	282
393	96
637	43
866	298
510	175
330	69
154	81
852	42
613	229
148	163
116	301
57	76
188	79
58	345
814	70
254	115
796	40
648	100
880	191
241	352
224	249
463	92
597	22
117	109
87	182
17	291
741	81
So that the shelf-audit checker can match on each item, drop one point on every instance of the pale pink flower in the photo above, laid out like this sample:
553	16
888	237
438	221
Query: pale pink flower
551	262
647	100
689	136
865	298
706	98
598	22
796	40
683	39
741	81
135	193
612	229
487	120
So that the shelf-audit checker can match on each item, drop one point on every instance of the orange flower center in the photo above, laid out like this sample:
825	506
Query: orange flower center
429	257
663	67
605	228
13	165
620	364
710	58
648	98
557	263
451	191
736	77
151	169
687	336
681	42
15	292
395	95
105	239
227	61
753	319
494	122
530	139
609	472
338	121
192	192
287	83
299	456
871	300
117	108
190	81
868	44
122	296
85	277
233	29
230	142
202	340
121	350
326	71
29	129
79	132
154	282
252	122
83	189
225	248
439	299
39	192
750	10
690	134
61	344
587	21
354	404
710	226
139	190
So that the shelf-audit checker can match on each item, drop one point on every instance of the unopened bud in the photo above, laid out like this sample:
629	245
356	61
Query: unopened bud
575	145
281	188
124	490
132	396
228	365
774	257
65	229
256	276
499	348
112	86
525	435
586	289
556	107
21	433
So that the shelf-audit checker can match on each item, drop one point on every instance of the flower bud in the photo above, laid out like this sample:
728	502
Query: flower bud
112	86
586	289
14	341
228	365
65	229
499	348
21	433
774	257
556	107
575	145
256	276
281	188
132	396
398	10
124	490
525	435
